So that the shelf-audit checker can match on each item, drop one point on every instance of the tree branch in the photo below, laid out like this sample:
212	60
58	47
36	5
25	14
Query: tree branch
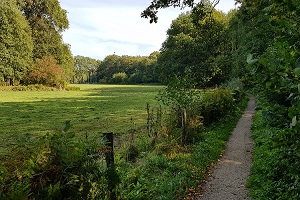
152	10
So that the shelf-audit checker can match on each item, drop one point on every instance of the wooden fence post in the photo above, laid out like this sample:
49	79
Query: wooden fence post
111	175
184	128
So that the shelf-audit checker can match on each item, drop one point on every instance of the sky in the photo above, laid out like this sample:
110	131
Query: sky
99	28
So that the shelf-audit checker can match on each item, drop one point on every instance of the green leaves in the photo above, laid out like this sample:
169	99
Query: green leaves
16	44
152	10
193	48
86	69
294	122
179	93
277	72
138	69
66	126
30	30
250	59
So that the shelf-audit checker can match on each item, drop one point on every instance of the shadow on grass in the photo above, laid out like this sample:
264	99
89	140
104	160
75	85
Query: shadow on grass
104	110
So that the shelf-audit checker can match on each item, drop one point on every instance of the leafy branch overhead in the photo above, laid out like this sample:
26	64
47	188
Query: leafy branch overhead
152	10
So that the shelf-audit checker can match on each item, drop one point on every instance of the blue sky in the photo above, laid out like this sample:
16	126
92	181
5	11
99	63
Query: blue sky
103	27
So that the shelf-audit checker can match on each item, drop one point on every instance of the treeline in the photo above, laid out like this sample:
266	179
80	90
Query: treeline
117	69
196	48
31	45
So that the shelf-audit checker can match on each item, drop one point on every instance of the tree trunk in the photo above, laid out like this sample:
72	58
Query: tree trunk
11	82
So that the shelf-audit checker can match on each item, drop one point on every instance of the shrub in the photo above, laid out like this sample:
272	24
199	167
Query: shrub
46	71
119	77
37	87
215	104
275	171
237	88
192	109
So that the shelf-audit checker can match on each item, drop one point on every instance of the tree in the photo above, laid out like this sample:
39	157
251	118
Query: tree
108	67
15	43
86	69
152	10
46	71
119	77
47	21
271	39
67	63
49	11
139	69
191	47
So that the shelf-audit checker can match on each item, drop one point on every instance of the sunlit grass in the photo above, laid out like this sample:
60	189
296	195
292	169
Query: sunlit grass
93	109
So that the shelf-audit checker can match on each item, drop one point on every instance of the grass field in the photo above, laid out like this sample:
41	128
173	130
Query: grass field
93	109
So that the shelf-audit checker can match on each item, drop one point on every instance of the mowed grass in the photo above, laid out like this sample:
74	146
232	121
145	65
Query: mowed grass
93	109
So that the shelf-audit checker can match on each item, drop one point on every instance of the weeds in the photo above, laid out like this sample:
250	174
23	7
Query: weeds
171	170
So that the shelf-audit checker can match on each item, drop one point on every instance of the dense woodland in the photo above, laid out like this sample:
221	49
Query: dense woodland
117	69
32	50
256	47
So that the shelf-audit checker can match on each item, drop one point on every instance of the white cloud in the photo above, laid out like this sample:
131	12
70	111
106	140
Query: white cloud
101	28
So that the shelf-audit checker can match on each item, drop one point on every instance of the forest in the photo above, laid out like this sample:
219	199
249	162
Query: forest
207	64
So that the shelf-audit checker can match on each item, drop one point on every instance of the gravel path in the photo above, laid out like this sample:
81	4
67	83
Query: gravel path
229	175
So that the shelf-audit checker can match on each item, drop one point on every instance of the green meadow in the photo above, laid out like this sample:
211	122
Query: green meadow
94	109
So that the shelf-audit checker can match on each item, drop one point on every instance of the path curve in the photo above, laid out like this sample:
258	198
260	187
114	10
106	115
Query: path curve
229	175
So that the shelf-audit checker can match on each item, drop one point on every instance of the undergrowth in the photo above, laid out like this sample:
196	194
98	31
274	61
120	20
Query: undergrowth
170	171
56	166
276	161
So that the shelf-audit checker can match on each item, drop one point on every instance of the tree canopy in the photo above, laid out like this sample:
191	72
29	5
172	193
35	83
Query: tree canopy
191	47
86	69
16	44
152	10
138	69
31	30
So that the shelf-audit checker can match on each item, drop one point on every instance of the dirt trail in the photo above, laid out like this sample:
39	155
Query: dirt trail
229	175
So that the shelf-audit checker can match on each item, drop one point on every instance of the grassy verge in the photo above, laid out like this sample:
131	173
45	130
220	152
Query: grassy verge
171	171
275	171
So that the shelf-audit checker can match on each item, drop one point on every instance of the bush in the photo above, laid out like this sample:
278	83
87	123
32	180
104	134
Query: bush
275	171
237	88
215	104
46	71
2	83
119	77
35	87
